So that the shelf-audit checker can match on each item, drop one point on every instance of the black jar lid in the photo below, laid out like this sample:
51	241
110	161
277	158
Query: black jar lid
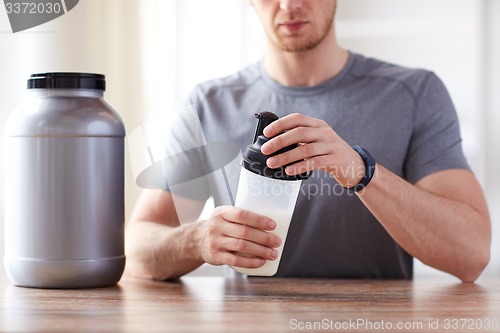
67	80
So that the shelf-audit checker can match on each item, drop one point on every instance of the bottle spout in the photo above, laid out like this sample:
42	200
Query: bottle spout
255	161
265	118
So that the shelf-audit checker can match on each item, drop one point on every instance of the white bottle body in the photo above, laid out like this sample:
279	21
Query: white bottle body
273	198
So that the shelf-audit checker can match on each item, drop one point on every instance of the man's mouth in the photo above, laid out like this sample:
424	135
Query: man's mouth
293	26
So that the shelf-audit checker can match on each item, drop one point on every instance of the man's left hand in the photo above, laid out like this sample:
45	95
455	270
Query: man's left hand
320	147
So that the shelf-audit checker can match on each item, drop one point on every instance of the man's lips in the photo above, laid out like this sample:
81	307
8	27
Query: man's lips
293	26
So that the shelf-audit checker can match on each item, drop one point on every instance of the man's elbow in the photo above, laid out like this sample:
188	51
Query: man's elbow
480	254
472	273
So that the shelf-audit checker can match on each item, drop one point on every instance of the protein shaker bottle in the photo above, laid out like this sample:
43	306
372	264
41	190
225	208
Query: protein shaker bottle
266	191
64	185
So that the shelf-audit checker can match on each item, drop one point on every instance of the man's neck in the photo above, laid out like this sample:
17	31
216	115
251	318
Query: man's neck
306	69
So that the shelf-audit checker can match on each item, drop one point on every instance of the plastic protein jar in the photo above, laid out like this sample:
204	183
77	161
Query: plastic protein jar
64	185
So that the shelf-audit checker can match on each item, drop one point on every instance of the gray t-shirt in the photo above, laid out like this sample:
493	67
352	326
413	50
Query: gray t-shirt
403	117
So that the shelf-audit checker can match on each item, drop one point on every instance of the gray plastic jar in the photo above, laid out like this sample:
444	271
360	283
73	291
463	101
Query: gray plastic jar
64	185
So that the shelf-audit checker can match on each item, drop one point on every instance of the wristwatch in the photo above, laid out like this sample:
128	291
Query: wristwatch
369	169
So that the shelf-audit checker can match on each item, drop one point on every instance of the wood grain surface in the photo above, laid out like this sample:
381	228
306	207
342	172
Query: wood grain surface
215	304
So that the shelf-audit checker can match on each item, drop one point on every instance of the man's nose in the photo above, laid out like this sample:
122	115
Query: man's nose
290	5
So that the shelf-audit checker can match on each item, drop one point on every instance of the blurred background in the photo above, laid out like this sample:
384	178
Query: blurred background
154	51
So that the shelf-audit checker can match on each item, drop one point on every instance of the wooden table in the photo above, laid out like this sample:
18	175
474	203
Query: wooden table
212	304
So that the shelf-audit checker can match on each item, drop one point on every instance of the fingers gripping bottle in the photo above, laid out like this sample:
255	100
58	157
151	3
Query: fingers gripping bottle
266	191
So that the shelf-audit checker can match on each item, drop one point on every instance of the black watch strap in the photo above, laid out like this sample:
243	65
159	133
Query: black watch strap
369	168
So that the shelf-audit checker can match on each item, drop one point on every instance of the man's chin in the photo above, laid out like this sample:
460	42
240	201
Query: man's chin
296	44
297	47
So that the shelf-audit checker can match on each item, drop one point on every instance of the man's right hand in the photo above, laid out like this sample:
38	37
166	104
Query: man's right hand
236	237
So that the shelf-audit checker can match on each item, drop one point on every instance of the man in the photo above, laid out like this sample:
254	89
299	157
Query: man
421	201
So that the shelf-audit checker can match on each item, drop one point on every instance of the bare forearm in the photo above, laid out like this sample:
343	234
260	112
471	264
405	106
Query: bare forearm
160	252
443	233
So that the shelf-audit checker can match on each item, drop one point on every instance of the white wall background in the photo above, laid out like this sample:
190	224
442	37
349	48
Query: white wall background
154	51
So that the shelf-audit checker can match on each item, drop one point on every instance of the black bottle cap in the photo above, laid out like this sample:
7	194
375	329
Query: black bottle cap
255	161
67	80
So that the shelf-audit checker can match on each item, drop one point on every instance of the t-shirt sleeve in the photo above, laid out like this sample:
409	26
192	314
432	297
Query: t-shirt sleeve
436	143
